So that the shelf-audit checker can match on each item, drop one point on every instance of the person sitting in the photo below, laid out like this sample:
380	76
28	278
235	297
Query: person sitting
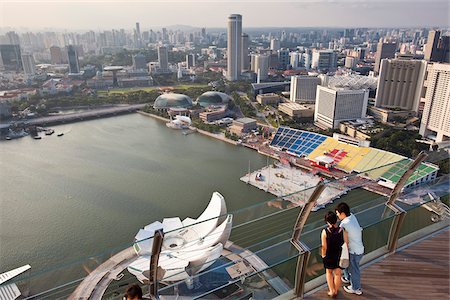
332	240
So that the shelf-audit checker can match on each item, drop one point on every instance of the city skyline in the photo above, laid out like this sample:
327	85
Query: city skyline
318	13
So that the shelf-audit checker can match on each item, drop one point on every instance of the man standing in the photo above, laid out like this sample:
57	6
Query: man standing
355	248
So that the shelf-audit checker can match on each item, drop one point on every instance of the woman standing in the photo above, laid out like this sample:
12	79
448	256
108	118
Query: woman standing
332	240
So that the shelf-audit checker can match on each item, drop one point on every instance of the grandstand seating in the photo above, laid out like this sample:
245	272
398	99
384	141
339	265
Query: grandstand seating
296	142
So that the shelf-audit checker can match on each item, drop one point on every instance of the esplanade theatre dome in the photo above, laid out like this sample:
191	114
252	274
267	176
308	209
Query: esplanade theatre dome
213	98
166	101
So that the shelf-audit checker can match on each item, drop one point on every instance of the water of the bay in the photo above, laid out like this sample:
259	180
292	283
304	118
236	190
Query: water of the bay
65	198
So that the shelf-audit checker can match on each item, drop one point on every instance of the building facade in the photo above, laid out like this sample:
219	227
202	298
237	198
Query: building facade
29	66
437	48
384	50
10	58
234	47
436	114
72	55
56	55
245	59
163	59
334	106
303	88
324	60
400	83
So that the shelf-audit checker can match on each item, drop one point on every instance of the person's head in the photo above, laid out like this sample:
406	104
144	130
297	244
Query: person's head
330	218
342	210
134	292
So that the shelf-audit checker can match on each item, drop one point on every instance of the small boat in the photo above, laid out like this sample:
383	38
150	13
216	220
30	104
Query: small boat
8	138
60	134
49	132
37	137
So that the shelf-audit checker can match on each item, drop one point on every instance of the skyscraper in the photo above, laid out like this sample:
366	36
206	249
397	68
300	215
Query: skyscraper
324	60
245	60
10	58
384	50
138	35
436	114
260	65
29	67
190	60
275	44
163	59
72	55
139	62
283	58
234	47
303	88
437	48
400	83
56	55
334	106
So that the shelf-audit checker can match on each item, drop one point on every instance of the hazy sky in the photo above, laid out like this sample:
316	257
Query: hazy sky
77	14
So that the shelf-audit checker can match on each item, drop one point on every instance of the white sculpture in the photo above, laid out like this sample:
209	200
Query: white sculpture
189	246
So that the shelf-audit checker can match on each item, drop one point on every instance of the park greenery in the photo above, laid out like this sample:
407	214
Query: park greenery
402	142
246	108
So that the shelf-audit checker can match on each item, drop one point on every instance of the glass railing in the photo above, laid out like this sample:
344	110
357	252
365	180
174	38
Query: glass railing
256	259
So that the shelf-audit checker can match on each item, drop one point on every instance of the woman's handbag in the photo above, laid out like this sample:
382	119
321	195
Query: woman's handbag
344	259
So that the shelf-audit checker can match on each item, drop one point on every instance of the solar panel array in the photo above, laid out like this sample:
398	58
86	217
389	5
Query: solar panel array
297	142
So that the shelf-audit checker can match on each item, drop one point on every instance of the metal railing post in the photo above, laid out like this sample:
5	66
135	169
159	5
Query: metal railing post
154	260
302	260
396	226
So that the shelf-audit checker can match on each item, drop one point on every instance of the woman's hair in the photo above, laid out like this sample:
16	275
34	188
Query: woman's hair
343	208
330	217
134	291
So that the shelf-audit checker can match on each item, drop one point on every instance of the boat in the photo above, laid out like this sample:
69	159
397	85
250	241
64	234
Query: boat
36	137
8	138
60	134
49	132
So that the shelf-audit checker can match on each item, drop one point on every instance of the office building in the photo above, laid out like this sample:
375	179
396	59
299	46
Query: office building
275	44
283	59
303	88
436	114
56	55
190	60
139	62
260	66
295	60
29	66
245	59
295	110
10	58
268	99
350	62
72	55
400	84
138	37
234	47
163	59
334	106
384	50
437	48
324	60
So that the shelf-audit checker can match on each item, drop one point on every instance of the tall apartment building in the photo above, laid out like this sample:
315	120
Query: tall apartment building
56	55
384	50
163	59
400	84
245	59
437	48
436	114
260	66
324	60
295	60
72	55
190	60
303	88
275	44
334	106
283	58
29	66
10	58
234	47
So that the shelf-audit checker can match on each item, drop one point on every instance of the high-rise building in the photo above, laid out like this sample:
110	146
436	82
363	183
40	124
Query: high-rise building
325	60
400	83
139	62
436	114
245	59
437	48
10	58
350	62
56	55
138	35
234	47
303	88
72	55
295	60
283	58
275	44
190	60
163	59
384	50
28	63
334	106
260	65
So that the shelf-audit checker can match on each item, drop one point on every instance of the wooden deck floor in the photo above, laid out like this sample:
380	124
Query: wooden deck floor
420	271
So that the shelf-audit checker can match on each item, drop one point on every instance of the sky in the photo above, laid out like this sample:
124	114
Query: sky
101	14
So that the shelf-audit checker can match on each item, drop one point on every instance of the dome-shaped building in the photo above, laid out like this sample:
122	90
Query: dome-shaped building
166	101
213	98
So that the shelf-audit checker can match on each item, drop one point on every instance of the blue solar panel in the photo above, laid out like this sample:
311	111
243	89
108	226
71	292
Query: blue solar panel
297	142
